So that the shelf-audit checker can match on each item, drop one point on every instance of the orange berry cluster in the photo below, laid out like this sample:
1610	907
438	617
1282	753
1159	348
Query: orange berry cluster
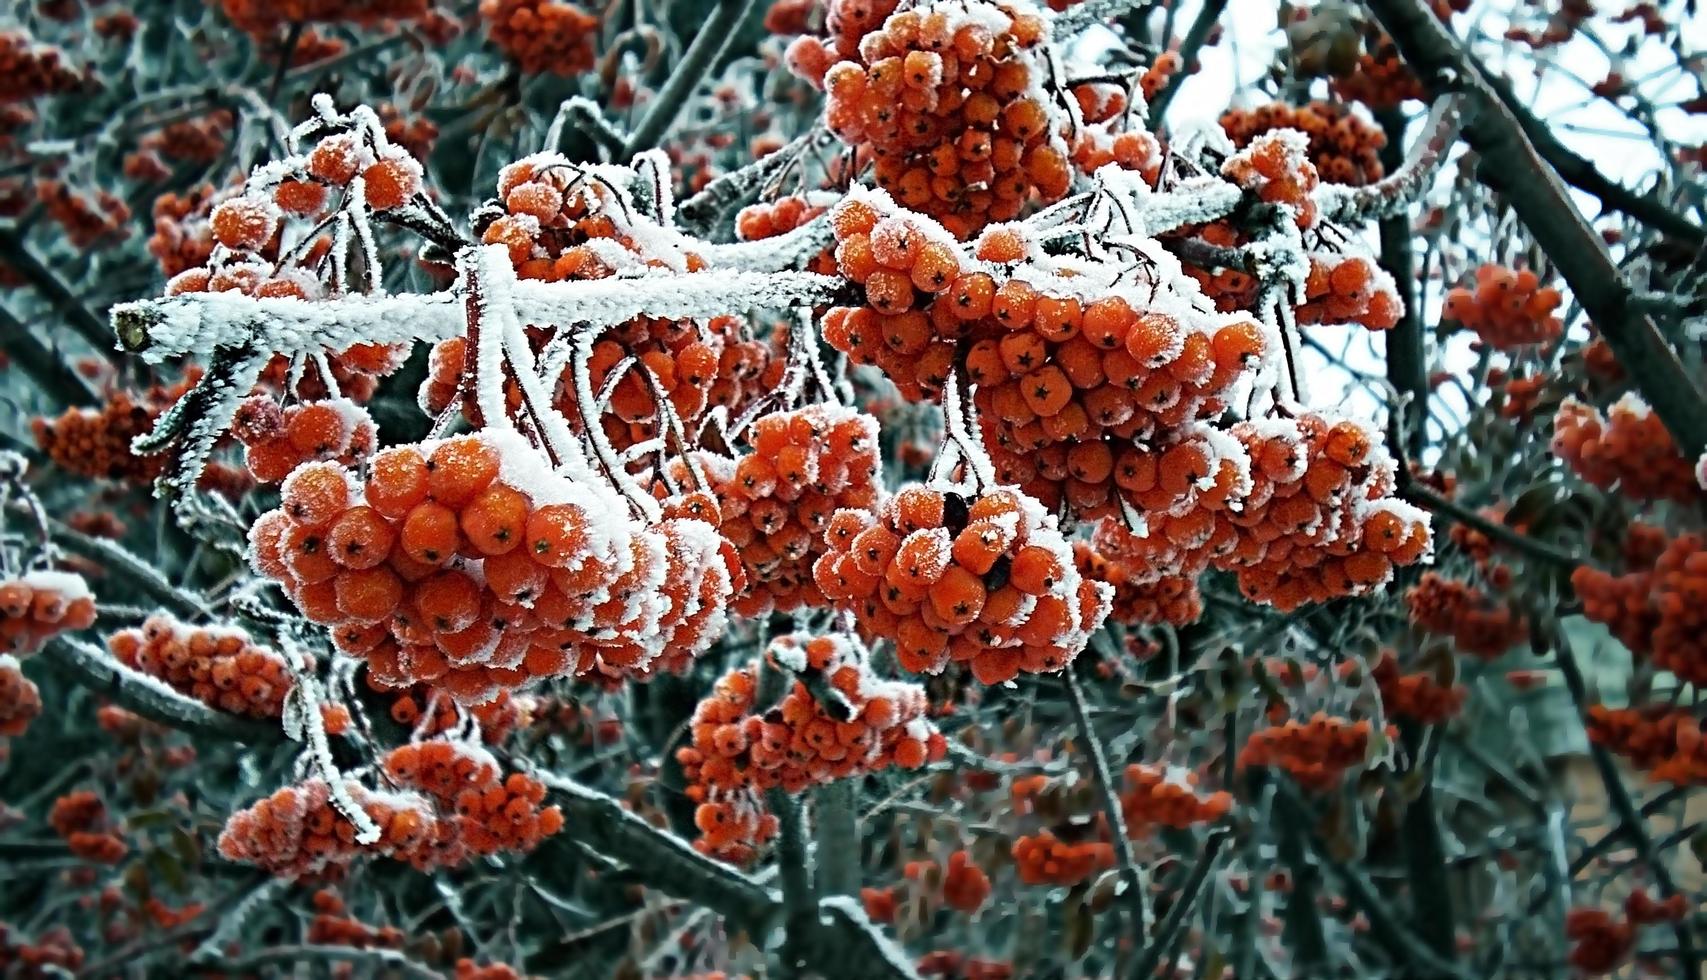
1168	796
961	884
1317	753
1275	166
1069	370
497	718
741	748
40	605
1479	624
182	240
1045	859
1379	79
1302	509
53	953
20	699
95	442
1417	696
1231	289
479	813
768	219
1679	585
987	581
469	565
218	666
776	501
1349	289
846	23
1627	447
1345	148
1602	941
356	371
87	220
951	103
1624	604
1140	598
262	18
80	818
1507	308
952	964
298	831
278	440
542	35
29	70
1098	145
1664	742
331	925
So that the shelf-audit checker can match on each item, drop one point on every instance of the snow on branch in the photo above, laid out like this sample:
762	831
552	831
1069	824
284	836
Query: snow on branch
91	667
200	323
1344	203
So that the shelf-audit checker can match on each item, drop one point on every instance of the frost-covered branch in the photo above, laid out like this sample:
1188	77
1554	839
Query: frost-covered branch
16	255
714	37
1132	873
661	859
1160	947
198	323
387	961
702	212
1344	203
1084	16
790	250
94	669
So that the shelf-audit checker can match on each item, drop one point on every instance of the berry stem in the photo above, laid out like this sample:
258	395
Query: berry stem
1132	873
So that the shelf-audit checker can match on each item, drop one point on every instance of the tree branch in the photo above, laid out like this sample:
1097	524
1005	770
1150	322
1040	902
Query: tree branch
91	667
1195	36
714	36
16	254
51	371
1143	918
1173	927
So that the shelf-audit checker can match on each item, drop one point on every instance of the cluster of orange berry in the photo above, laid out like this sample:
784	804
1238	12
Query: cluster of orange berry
422	711
1045	859
278	440
1069	370
1345	148
1317	753
1379	79
42	604
987	581
1349	289
1099	144
20	699
1627	447
1417	696
951	964
542	35
469	565
950	102
846	23
98	218
52	953
29	70
741	748
201	140
219	666
80	818
1664	742
1302	509
95	442
1622	603
479	810
1275	166
298	831
768	219
1680	636
1168	796
1478	623
333	925
182	239
356	372
960	882
1602	940
776	500
1138	596
262	18
1507	308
